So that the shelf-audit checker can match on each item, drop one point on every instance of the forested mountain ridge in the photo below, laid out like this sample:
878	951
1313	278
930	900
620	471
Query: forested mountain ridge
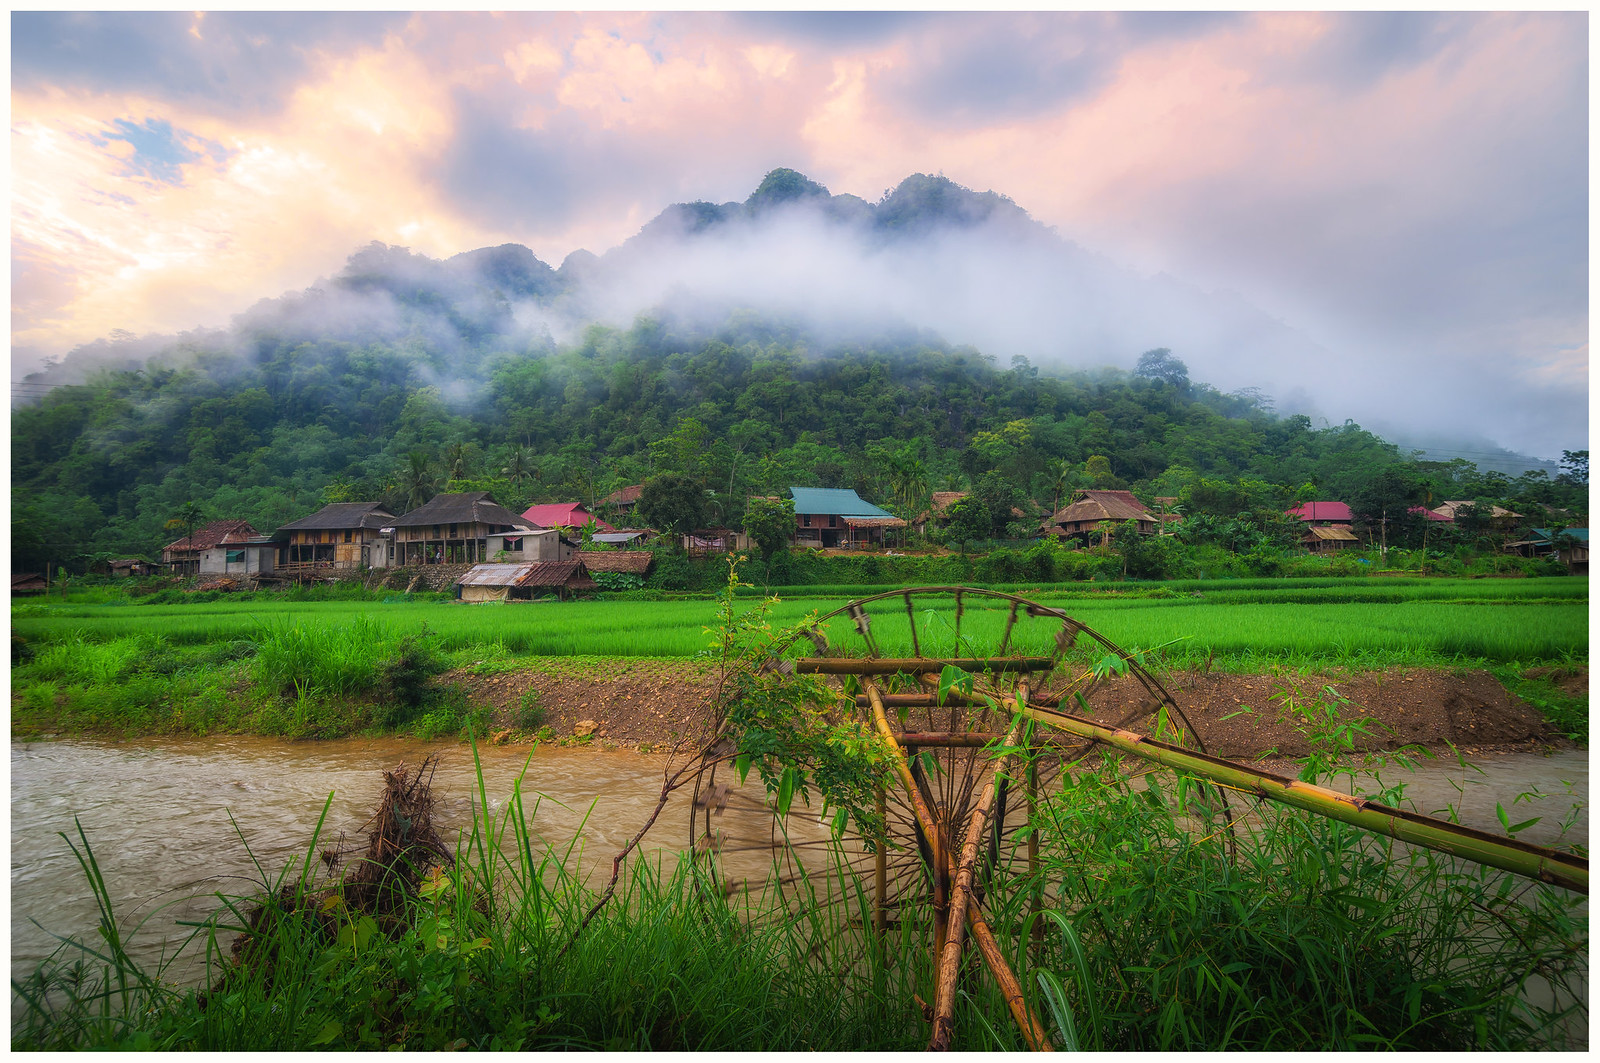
404	373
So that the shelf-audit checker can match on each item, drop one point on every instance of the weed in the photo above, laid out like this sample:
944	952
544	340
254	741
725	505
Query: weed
530	711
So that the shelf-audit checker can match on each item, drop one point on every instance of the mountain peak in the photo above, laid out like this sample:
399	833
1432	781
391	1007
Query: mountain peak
784	186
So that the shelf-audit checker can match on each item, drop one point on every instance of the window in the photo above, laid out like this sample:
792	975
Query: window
452	531
347	535
833	522
235	557
514	545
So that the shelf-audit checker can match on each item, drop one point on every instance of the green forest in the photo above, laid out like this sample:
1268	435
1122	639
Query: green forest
293	408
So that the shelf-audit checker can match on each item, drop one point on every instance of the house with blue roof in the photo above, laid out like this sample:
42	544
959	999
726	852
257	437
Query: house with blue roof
1570	546
838	517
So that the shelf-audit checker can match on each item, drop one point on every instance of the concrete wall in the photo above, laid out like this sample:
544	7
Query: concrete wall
257	558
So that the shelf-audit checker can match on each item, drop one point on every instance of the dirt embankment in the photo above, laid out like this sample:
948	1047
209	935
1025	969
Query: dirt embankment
649	701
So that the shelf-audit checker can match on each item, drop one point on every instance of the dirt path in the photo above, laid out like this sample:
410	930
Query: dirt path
633	702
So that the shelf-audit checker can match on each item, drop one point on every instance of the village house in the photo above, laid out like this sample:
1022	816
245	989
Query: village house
831	516
704	541
628	562
1499	517
1574	552
28	584
937	515
563	515
622	502
123	567
251	557
185	556
1322	514
1095	511
468	527
498	582
339	535
1326	540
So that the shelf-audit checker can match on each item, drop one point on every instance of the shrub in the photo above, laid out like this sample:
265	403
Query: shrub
405	678
530	711
618	581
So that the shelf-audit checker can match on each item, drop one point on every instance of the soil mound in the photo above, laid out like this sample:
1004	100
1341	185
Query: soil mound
1237	716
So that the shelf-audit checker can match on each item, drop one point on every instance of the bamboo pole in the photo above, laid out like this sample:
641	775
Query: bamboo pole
1033	1030
1508	854
892	665
880	917
919	809
961	896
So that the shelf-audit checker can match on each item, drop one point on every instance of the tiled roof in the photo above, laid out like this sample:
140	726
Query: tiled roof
343	515
833	501
215	534
466	507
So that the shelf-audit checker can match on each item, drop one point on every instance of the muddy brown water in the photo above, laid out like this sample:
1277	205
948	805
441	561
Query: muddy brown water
165	817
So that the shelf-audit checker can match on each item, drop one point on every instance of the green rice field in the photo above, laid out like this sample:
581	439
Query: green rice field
1381	621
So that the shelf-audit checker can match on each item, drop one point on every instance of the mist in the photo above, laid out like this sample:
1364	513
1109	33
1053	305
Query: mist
931	259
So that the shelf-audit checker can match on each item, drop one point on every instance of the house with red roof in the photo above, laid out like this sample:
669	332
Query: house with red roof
187	556
563	515
1322	514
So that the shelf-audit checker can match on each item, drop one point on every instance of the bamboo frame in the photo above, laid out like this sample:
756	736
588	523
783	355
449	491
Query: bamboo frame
1507	854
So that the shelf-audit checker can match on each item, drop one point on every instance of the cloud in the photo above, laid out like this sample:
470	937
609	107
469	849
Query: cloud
979	70
224	62
1409	191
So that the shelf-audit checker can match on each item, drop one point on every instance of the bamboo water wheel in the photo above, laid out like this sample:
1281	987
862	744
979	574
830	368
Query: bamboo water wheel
887	652
1042	685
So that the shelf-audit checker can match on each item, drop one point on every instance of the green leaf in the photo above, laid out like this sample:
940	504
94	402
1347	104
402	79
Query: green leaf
786	787
741	764
330	1030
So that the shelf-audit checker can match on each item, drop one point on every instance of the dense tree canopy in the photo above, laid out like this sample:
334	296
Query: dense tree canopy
277	420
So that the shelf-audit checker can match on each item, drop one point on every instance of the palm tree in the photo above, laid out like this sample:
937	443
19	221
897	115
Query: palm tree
457	460
417	481
517	464
1058	471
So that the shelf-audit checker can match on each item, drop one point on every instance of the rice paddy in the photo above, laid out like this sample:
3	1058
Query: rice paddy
1381	620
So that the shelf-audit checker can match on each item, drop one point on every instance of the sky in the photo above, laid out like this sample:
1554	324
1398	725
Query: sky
1407	190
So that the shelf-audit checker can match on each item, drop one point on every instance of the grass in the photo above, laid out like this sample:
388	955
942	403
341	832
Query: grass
1149	937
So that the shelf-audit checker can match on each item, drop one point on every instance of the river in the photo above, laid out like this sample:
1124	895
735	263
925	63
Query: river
165	817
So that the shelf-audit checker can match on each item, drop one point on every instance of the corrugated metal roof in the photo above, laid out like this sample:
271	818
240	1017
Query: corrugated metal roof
562	515
833	501
1336	511
495	575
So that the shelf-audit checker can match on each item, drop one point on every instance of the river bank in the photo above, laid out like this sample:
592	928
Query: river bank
651	703
648	703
